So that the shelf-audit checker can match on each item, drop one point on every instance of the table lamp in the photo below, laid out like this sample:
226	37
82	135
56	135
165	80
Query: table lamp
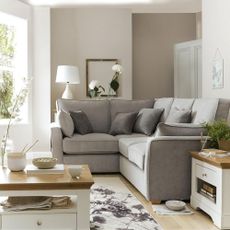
69	75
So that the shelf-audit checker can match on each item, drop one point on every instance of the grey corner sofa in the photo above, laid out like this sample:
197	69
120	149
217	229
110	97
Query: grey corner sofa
159	166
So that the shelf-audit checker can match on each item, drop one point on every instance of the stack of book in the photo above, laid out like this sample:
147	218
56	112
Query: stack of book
208	191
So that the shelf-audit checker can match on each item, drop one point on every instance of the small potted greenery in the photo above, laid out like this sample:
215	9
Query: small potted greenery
219	133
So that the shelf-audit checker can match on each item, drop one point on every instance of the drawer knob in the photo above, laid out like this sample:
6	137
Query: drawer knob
204	174
39	223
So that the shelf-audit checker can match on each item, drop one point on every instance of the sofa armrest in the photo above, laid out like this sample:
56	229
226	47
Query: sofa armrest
57	142
168	166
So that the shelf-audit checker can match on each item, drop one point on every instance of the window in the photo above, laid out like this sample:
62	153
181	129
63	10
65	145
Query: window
13	62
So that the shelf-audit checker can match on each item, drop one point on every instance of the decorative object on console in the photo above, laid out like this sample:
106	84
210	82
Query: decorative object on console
18	101
114	84
69	75
95	89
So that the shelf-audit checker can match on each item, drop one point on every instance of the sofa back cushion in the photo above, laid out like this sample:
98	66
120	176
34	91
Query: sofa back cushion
163	103
97	112
126	106
180	111
204	110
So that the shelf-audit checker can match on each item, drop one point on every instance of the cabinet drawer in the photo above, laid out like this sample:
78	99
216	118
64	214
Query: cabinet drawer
39	221
206	174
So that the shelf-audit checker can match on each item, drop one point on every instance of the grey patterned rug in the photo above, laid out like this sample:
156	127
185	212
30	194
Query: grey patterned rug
116	210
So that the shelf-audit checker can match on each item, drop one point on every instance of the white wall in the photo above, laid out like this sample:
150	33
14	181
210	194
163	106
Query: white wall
216	35
78	34
41	77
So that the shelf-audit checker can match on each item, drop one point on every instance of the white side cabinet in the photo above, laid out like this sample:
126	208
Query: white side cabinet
187	69
211	188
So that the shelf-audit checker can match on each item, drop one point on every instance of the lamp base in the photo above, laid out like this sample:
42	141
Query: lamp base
67	93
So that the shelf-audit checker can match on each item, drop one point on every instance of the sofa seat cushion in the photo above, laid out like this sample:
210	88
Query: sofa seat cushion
133	148
125	143
137	154
132	135
90	143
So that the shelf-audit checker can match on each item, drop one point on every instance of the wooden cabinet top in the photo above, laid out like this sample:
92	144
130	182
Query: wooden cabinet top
221	162
23	181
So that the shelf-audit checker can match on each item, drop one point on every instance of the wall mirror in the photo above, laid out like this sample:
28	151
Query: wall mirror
100	70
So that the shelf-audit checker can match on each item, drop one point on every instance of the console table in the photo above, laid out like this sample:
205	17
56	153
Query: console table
21	184
211	187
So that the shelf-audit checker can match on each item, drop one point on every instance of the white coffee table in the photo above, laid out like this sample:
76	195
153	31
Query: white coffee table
21	184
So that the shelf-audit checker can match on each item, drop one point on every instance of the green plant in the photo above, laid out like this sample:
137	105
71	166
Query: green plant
6	94
217	130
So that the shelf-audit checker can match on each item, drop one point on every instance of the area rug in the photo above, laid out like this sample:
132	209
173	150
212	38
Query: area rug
163	210
115	209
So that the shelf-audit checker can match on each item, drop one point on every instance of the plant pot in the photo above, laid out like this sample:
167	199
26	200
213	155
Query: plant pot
224	145
16	161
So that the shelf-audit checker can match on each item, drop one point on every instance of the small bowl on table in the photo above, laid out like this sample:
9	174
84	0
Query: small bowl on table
44	162
75	171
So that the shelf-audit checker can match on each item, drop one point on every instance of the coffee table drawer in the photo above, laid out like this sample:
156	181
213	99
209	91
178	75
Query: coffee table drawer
39	221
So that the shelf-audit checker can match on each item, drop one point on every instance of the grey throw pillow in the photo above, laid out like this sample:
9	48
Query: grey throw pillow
81	122
147	120
179	129
179	116
66	123
123	123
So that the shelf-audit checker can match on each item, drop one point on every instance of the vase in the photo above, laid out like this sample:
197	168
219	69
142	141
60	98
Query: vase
6	146
16	161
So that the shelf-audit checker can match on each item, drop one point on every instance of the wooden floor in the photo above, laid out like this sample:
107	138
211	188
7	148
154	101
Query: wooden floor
198	221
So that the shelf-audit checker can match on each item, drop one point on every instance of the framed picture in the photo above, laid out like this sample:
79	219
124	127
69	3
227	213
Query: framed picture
100	70
218	71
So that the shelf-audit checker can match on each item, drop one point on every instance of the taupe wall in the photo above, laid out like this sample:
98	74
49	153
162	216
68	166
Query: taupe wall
154	36
81	33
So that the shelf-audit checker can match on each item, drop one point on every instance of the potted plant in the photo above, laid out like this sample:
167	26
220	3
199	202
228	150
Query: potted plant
219	133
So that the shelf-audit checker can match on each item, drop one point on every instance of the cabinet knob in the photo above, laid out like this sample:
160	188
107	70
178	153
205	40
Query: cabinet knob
204	174
39	223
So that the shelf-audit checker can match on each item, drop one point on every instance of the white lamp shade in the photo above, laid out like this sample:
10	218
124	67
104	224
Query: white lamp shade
68	74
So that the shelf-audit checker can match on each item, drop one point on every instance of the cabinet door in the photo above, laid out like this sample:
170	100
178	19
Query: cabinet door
39	221
187	69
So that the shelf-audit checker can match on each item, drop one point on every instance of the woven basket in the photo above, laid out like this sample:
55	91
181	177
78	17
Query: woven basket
224	145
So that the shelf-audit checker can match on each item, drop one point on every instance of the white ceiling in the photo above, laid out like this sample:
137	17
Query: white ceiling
137	6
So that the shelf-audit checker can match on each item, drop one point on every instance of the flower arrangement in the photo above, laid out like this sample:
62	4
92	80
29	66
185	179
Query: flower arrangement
14	112
95	89
114	84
